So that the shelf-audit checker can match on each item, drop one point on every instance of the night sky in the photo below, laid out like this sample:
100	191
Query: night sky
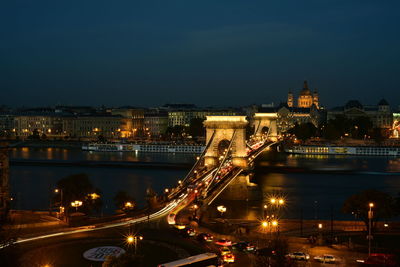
224	53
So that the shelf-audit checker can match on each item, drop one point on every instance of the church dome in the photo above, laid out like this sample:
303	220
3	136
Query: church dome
305	90
383	102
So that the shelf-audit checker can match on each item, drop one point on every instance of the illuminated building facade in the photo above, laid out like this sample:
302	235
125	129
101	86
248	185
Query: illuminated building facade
183	117
156	122
134	123
50	125
396	124
380	115
288	117
93	126
305	99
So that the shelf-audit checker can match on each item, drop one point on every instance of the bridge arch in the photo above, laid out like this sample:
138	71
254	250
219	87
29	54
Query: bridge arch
228	128
264	121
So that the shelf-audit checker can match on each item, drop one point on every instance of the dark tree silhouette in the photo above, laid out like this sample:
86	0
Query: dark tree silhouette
384	205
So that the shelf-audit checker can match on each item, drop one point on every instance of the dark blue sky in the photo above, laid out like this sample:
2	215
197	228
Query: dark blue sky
147	53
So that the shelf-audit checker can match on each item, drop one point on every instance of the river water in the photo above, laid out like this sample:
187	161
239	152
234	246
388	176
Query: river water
316	194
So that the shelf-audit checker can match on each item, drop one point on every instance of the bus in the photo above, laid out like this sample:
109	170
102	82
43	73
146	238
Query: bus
201	260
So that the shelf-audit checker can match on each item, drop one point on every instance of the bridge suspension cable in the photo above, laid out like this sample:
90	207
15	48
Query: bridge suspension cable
200	159
222	162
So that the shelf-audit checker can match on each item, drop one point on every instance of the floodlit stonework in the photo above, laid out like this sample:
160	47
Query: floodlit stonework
223	129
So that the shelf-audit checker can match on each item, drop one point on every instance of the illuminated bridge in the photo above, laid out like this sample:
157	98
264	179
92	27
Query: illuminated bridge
226	155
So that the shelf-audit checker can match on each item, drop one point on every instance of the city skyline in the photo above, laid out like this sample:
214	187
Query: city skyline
148	54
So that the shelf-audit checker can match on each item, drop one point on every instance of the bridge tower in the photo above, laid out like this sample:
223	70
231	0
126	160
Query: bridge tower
226	132
266	122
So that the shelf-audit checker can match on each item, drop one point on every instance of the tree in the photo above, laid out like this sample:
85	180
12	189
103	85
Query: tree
121	199
78	187
330	132
304	131
384	205
176	131
196	127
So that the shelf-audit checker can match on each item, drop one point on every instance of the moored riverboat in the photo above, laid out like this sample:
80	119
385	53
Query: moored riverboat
128	147
344	150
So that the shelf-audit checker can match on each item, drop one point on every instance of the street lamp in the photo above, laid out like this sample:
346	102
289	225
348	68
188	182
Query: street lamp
221	209
128	205
76	204
133	239
370	216
61	198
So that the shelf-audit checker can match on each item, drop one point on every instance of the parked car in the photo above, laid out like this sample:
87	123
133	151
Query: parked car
205	237
325	258
223	242
298	256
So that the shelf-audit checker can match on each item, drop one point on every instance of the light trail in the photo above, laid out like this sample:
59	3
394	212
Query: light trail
156	215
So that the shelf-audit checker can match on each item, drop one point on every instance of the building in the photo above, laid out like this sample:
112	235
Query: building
305	99
380	115
288	117
92	126
396	124
156	122
134	125
49	124
183	117
4	183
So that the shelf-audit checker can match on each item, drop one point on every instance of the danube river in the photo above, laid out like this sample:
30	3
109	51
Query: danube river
314	186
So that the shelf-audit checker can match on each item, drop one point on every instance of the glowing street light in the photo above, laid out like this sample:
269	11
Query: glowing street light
370	216
320	226
128	205
272	200
94	196
264	224
76	204
133	239
274	223
221	209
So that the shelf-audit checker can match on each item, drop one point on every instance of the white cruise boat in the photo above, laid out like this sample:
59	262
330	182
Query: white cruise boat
345	150
159	148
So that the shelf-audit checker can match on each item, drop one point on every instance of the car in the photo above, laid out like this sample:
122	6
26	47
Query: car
325	258
225	250
189	232
179	226
223	242
205	237
244	246
298	256
229	258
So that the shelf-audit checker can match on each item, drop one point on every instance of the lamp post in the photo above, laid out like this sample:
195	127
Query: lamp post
221	209
133	239
76	204
61	199
370	216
